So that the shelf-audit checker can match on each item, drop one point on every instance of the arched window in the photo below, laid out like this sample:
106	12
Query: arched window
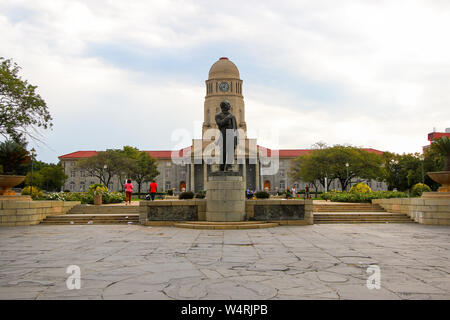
72	186
82	186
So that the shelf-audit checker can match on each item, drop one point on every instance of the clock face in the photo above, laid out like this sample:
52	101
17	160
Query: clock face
223	86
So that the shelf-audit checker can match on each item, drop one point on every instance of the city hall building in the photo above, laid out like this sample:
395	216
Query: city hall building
191	169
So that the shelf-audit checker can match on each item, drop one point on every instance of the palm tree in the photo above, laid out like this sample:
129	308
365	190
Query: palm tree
442	146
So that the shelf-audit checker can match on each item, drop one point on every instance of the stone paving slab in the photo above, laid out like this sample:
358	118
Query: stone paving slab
308	262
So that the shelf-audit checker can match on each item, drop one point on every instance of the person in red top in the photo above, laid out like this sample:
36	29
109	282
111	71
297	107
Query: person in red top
128	192
153	189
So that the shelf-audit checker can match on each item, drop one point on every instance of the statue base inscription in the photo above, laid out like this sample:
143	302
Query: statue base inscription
225	200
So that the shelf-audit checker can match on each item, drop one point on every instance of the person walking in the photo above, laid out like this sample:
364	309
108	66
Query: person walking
294	192
128	192
153	189
307	192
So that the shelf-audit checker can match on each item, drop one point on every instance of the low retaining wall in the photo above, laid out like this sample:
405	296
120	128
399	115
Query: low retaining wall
294	212
27	213
424	211
284	212
169	211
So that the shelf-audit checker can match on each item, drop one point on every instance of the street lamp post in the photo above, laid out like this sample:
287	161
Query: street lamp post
422	158
104	175
346	165
33	153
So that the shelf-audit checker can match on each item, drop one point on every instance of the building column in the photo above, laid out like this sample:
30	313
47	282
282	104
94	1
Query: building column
258	177
244	172
205	172
192	178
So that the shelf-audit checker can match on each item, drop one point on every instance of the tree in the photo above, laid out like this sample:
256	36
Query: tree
361	164
403	171
104	165
144	169
442	146
330	162
14	157
50	177
21	106
312	168
129	154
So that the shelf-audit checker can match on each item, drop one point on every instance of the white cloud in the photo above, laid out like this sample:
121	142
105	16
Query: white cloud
389	61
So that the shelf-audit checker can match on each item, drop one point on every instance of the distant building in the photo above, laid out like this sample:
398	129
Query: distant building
191	173
436	135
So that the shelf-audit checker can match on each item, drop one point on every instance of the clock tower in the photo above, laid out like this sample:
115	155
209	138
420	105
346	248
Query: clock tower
223	84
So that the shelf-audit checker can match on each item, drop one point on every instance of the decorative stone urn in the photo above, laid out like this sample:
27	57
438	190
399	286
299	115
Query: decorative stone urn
7	182
442	177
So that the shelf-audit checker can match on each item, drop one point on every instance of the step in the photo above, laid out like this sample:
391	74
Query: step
91	209
226	225
360	222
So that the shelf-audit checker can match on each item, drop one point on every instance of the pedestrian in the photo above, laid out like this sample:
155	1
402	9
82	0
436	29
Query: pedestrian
306	192
153	189
128	192
294	192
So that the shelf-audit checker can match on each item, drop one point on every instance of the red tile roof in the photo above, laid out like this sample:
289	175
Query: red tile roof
294	153
283	153
78	155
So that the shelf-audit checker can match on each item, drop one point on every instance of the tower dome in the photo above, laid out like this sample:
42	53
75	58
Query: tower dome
223	68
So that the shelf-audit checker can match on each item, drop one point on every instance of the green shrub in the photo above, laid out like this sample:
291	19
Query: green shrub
262	195
200	194
418	189
85	197
186	195
360	188
98	187
361	197
170	192
37	193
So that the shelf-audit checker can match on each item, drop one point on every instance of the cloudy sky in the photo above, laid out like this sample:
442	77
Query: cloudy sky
113	73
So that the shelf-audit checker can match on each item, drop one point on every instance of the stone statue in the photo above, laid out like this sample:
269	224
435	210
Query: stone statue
226	121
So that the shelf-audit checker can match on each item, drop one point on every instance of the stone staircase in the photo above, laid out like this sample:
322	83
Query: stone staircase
225	225
92	219
108	209
346	207
361	217
338	212
89	214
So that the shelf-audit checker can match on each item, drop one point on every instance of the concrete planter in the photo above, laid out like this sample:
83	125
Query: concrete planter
8	182
97	199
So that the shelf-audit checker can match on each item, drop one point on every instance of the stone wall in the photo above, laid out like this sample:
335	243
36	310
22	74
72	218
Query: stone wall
424	211
290	212
169	211
27	213
285	212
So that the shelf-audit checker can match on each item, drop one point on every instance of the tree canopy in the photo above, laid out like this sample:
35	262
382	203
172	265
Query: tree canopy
126	163
21	107
330	162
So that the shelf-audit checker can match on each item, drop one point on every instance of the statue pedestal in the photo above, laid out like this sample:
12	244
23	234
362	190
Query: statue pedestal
225	197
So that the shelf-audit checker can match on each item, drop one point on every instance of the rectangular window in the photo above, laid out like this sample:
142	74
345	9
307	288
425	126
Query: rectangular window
167	173
82	174
168	185
72	174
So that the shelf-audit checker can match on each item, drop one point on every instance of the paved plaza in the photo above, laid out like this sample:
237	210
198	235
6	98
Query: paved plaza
308	262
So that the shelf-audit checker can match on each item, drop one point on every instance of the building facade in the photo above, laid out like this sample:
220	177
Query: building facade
190	170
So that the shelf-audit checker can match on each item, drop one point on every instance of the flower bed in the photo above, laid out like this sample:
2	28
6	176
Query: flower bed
85	197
